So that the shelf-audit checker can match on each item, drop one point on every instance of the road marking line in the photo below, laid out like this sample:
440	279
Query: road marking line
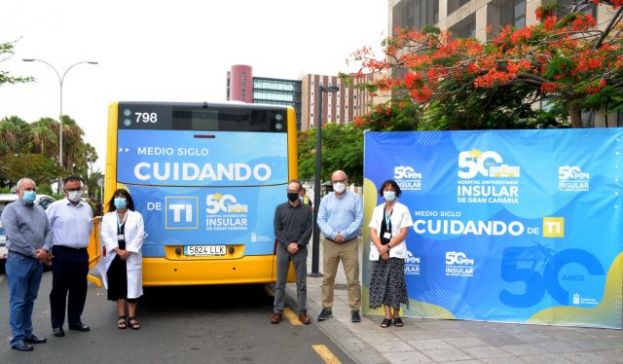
325	354
291	316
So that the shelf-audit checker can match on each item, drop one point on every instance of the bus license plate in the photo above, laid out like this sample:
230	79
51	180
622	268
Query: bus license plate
204	250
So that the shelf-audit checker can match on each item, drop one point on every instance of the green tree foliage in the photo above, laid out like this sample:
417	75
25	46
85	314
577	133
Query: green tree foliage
571	63
32	143
342	148
36	166
6	52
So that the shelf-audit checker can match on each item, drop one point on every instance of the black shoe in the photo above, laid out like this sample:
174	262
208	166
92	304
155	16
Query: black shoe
35	340
58	331
21	345
325	314
355	317
80	327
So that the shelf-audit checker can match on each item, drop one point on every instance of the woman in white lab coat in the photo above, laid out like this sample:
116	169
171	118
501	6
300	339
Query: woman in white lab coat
388	250
122	235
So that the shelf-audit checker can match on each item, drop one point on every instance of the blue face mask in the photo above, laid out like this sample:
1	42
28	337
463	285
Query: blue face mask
120	203
29	196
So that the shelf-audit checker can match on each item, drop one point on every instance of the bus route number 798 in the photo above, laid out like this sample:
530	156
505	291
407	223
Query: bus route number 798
146	117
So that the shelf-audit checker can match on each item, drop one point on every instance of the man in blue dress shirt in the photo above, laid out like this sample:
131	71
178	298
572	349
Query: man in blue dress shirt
340	216
71	221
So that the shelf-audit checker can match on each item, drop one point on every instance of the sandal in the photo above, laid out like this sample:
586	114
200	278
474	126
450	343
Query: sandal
121	324
386	322
134	323
398	322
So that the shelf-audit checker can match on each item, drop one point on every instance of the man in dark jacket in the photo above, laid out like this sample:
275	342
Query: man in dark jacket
293	228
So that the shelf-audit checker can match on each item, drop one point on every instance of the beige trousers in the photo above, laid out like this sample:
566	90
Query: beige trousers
348	253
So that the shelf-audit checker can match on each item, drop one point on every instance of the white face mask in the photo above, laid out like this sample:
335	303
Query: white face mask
74	196
389	195
339	187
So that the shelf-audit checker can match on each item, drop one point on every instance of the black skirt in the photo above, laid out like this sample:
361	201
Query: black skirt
388	285
117	275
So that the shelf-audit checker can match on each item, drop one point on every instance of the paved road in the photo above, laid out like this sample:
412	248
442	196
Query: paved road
228	324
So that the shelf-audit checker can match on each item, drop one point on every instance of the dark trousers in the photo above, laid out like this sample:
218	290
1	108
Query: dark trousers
299	260
69	275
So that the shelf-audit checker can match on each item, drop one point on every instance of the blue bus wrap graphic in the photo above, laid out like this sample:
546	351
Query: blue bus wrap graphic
212	191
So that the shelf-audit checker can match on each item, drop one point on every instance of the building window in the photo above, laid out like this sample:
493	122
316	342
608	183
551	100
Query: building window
565	7
415	14
454	5
466	28
513	12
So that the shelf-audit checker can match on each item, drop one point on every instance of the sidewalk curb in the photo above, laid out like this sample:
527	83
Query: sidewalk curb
358	350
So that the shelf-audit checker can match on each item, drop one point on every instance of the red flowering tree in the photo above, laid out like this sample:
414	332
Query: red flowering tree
568	63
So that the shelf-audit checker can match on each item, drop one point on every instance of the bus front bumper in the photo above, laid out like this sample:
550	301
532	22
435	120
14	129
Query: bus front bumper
246	270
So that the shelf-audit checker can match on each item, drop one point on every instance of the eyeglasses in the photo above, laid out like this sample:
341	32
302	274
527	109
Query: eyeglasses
73	189
340	180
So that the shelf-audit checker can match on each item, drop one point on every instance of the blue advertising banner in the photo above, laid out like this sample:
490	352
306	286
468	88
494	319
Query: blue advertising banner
512	226
204	191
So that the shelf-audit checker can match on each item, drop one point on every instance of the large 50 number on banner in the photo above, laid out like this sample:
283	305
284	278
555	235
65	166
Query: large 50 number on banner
517	226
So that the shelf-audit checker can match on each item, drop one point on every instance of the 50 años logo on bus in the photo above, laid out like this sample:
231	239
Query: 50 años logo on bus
224	213
408	178
485	178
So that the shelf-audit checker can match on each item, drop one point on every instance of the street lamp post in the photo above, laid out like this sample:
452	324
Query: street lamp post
317	185
61	79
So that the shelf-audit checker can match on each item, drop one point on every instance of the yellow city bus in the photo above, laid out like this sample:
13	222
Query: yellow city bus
206	178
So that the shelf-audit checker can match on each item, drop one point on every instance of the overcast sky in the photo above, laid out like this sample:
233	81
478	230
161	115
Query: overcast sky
170	50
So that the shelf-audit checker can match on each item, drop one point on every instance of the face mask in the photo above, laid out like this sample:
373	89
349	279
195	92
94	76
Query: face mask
120	202
29	196
339	187
293	196
389	195
75	196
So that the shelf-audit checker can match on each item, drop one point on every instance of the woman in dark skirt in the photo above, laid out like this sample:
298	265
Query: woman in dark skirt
388	250
122	234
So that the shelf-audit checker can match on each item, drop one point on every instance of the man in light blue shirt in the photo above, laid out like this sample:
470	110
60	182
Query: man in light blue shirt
71	223
340	216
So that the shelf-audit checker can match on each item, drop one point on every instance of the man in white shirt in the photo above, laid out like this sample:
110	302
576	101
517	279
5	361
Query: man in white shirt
71	223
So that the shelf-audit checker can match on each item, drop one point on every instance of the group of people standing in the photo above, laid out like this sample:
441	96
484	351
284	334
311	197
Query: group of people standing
59	237
340	218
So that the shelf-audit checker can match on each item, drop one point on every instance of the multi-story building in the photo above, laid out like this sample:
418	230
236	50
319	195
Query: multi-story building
470	18
339	107
240	83
277	91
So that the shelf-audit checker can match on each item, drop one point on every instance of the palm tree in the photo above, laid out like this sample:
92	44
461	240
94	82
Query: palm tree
43	138
72	141
8	136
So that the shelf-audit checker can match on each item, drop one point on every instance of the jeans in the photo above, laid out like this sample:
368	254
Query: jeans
299	260
23	276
